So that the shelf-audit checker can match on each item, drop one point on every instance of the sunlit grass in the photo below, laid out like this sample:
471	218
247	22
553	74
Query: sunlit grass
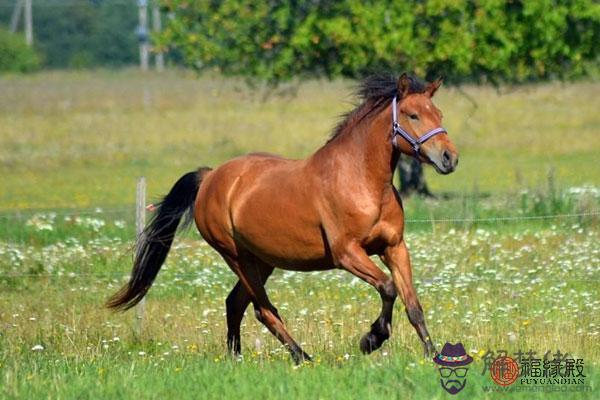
81	139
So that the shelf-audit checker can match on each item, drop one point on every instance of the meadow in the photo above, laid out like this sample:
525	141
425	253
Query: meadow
506	257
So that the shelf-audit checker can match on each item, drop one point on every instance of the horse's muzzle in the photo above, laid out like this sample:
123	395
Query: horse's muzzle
446	161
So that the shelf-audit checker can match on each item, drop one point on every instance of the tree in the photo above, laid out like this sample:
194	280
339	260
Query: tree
461	40
82	33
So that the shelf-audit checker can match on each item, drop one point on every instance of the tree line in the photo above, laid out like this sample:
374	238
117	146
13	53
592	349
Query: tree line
462	40
74	34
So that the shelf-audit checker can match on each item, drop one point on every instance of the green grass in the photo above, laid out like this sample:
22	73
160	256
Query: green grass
73	142
196	377
486	288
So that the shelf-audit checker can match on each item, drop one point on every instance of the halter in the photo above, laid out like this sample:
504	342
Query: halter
415	143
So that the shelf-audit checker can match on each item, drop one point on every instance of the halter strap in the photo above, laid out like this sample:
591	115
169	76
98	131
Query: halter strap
398	131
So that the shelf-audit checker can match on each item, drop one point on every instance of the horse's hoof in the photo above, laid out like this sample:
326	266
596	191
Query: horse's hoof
369	343
301	358
430	351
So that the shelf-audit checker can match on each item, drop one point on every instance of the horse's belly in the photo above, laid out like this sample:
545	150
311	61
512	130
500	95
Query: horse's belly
297	264
284	244
282	230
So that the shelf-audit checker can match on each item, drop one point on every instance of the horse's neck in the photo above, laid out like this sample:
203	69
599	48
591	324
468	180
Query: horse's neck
364	152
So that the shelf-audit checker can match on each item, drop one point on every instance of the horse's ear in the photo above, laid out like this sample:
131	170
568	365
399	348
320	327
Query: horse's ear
434	86
403	85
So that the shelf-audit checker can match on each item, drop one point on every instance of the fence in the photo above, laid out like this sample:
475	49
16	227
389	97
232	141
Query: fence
140	222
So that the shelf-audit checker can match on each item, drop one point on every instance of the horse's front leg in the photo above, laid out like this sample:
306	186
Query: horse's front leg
354	259
398	261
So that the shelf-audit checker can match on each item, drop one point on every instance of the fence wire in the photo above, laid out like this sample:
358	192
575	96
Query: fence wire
125	275
75	213
66	213
507	218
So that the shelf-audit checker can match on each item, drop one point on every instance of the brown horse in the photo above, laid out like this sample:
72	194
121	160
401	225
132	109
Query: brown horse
331	210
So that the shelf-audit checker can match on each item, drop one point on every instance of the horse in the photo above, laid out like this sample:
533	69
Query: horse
331	210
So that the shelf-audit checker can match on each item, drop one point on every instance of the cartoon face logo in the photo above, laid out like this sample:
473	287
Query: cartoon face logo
453	379
452	362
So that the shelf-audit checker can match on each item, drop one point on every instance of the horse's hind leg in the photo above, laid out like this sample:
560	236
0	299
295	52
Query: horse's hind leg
250	269
236	304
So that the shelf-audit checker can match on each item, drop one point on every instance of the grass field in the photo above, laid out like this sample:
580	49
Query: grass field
72	145
81	139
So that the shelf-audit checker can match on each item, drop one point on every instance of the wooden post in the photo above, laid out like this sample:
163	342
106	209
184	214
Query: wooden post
143	34
159	57
16	16
28	23
140	223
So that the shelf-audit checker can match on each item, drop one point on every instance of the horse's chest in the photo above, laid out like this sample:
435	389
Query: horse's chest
383	234
361	221
376	226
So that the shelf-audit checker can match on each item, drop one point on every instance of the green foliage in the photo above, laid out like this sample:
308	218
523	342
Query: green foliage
461	40
15	55
82	33
113	38
61	33
85	33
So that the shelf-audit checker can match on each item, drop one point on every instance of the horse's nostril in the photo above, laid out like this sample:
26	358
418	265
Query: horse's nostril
446	157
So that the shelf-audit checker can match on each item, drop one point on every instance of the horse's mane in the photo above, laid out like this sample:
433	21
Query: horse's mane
373	93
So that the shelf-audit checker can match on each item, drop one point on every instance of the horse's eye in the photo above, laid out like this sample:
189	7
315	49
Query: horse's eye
414	116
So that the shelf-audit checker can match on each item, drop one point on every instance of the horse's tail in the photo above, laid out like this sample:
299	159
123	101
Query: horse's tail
155	241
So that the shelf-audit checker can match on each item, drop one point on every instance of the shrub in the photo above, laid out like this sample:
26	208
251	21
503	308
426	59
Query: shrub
15	55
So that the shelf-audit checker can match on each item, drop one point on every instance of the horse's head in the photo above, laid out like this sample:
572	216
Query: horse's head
418	127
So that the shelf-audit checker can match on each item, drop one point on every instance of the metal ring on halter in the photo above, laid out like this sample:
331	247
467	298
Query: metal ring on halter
398	131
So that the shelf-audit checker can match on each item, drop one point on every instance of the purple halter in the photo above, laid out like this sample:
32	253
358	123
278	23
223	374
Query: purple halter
415	143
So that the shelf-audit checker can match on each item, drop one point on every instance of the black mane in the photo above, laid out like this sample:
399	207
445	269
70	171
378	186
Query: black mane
374	92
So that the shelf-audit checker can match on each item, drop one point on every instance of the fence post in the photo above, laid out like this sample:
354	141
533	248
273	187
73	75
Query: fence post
140	222
16	15
28	23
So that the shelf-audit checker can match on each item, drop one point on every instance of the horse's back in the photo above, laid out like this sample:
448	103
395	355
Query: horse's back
218	186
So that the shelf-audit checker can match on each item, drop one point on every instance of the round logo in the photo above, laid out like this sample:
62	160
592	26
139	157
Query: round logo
504	371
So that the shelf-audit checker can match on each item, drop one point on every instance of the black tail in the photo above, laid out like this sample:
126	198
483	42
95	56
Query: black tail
154	243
